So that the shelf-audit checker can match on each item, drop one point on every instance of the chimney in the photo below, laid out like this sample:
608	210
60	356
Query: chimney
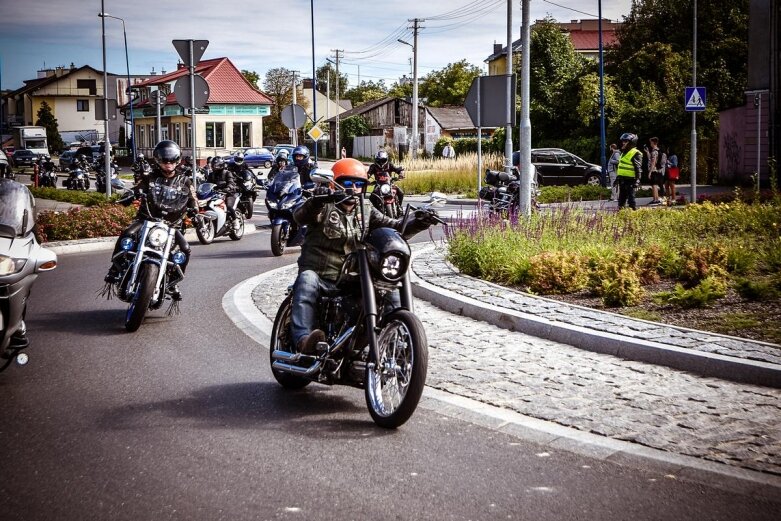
498	48
162	71
59	71
180	65
306	83
72	66
153	73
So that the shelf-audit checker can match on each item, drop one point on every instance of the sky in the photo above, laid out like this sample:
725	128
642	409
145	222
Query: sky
260	35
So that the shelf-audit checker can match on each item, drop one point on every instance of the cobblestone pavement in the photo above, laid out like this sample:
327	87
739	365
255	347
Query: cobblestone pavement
736	424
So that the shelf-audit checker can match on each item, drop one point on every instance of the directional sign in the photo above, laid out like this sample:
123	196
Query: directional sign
182	91
695	99
315	133
112	110
293	116
183	48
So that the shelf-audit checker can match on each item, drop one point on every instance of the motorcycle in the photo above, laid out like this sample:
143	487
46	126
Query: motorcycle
370	344
100	177
21	260
248	193
384	197
502	192
151	266
47	176
78	178
213	219
140	171
282	195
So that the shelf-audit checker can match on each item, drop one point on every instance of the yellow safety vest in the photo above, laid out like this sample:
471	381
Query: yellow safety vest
625	167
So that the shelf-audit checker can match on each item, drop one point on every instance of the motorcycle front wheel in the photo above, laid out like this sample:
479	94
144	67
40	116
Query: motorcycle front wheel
277	240
237	228
205	229
147	278
390	210
282	339
393	385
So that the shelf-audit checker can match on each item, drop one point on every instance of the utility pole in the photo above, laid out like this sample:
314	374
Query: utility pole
602	143
508	129
693	159
338	147
525	163
415	137
294	130
106	144
314	72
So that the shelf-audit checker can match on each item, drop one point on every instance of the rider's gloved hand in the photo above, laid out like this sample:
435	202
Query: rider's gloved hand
322	191
427	217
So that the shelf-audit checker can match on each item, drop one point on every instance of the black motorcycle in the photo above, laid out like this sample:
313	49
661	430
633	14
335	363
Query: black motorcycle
100	177
282	195
47	177
369	343
502	192
151	265
141	169
385	197
78	177
247	193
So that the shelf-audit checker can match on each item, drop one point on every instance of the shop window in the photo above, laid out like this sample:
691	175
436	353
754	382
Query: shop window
215	135
241	135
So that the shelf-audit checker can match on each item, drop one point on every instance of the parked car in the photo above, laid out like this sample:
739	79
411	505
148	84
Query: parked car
556	166
67	159
24	158
254	157
5	166
287	147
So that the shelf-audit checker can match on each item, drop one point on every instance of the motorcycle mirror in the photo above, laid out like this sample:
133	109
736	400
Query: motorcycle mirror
322	176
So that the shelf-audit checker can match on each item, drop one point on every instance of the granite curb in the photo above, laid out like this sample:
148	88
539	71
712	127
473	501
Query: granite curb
595	340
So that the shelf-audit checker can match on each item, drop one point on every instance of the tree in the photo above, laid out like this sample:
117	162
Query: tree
326	71
252	77
401	89
46	119
278	84
366	91
448	86
351	127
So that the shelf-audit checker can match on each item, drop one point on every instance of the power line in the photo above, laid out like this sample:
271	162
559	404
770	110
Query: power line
570	8
476	15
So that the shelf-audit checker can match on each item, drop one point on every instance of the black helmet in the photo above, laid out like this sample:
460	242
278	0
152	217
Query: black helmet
301	156
282	156
628	136
218	163
381	158
239	158
81	157
167	151
140	157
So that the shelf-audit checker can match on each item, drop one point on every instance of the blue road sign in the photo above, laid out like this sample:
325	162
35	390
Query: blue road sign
694	100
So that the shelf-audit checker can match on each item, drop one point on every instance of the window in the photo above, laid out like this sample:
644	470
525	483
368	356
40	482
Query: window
241	134
82	105
215	135
90	85
178	133
141	142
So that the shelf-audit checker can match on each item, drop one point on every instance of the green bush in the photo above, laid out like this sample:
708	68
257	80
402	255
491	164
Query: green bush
557	272
82	223
562	194
761	289
71	196
620	287
703	294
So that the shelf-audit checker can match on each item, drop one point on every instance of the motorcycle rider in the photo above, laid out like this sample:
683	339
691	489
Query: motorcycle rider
380	171
629	170
140	167
304	165
333	231
167	156
225	181
280	163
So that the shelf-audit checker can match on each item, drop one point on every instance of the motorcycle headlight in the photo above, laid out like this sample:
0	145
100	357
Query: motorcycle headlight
9	265
391	266
157	237
179	258
80	176
126	244
272	204
248	185
385	189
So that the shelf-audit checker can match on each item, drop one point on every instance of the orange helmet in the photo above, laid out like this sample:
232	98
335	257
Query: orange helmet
349	169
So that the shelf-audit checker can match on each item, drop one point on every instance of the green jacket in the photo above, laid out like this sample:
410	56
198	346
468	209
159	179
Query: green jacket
332	233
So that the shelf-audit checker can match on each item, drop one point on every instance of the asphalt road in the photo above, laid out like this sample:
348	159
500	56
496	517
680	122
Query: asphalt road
183	420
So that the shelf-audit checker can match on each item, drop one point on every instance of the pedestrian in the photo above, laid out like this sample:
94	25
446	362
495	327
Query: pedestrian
629	170
448	152
612	170
344	152
655	171
673	173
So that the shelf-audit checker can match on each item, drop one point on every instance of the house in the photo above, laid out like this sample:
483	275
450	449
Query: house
72	93
390	123
751	134
233	117
584	35
326	108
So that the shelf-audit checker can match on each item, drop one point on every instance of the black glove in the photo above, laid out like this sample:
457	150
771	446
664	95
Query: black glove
192	212
427	217
322	190
126	200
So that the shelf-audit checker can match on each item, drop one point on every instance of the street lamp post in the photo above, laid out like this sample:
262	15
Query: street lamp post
106	144
129	92
414	142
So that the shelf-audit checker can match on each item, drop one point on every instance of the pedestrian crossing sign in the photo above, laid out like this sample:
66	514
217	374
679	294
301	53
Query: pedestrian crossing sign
695	99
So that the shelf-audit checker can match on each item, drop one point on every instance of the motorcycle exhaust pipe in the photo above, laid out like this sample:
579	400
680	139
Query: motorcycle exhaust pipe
298	371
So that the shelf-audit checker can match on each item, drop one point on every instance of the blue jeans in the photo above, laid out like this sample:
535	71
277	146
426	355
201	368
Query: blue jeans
306	290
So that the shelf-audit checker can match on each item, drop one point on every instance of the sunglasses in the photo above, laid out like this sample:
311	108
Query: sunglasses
353	184
168	161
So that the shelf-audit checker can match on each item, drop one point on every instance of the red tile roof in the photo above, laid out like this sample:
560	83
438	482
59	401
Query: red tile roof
589	40
226	84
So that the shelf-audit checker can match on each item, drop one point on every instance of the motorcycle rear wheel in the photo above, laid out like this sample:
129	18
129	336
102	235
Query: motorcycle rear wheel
277	240
282	339
394	384
205	230
147	278
237	231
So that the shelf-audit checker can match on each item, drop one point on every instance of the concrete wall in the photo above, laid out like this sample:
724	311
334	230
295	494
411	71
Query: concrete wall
738	141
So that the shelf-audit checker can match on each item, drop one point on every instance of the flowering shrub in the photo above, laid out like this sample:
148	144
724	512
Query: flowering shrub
105	220
70	196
